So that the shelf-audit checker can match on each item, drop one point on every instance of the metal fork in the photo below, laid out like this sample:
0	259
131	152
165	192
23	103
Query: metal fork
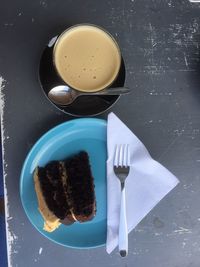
121	170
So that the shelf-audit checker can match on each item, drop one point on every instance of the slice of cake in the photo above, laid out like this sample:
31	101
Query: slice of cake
65	191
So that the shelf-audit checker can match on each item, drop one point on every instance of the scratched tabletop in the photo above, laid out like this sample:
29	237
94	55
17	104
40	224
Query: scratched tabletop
160	43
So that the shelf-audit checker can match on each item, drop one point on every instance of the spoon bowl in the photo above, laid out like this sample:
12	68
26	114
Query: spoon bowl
64	95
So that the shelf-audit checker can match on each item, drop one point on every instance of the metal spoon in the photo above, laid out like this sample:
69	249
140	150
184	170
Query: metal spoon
64	95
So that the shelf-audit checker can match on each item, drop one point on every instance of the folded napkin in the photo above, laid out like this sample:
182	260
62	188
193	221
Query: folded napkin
148	181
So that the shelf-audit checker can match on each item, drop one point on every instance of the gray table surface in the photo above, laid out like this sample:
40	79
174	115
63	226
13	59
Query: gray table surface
160	42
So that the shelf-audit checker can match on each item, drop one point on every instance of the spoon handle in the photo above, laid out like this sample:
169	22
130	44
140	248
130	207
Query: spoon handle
110	91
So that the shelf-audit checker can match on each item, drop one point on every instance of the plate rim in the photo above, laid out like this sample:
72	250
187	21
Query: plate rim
27	157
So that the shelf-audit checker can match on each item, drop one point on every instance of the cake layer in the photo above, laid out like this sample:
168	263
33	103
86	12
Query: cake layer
81	186
51	222
55	192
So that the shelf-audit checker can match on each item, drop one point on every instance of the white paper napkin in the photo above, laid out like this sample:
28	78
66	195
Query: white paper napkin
148	181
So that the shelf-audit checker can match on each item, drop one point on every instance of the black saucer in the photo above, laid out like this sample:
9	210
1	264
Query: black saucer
83	105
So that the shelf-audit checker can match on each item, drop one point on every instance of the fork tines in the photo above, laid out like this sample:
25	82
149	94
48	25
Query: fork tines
122	155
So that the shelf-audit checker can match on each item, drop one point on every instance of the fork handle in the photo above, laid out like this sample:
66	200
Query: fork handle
123	232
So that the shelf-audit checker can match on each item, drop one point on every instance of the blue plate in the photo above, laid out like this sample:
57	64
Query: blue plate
57	144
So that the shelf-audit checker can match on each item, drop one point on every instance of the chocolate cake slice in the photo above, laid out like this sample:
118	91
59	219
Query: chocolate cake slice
65	191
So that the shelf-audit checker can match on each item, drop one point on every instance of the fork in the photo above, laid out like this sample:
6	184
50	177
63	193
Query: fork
121	170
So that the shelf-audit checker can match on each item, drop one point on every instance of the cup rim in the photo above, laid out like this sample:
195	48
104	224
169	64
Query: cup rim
95	26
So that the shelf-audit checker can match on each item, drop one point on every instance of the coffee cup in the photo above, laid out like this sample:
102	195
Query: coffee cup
87	58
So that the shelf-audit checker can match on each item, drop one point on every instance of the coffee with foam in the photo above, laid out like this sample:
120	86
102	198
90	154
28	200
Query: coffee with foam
87	58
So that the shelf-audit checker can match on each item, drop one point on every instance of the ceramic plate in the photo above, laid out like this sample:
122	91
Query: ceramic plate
57	144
